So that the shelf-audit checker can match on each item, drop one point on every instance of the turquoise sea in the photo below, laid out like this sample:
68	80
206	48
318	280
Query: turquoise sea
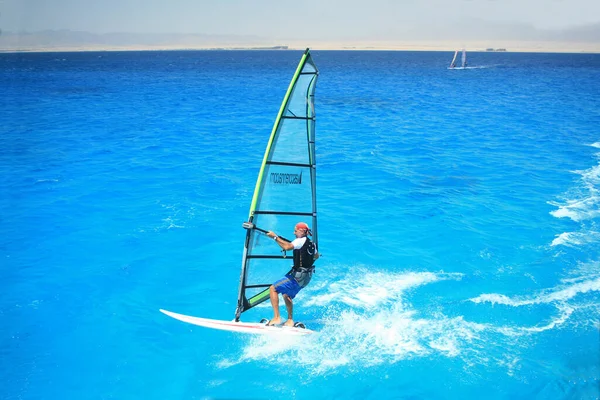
459	217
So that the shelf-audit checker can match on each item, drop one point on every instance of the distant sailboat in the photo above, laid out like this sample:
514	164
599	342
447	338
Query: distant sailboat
463	59
453	63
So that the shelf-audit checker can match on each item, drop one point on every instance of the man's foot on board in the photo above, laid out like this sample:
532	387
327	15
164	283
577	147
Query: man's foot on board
289	322
274	321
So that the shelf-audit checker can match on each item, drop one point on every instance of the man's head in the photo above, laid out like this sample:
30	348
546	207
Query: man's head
301	229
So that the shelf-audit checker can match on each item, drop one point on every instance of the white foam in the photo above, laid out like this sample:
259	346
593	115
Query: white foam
374	288
545	297
583	271
351	340
562	318
373	326
566	238
572	239
511	363
596	145
582	202
369	322
578	210
591	176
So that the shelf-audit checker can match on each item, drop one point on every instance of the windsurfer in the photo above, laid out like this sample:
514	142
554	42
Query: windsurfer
305	254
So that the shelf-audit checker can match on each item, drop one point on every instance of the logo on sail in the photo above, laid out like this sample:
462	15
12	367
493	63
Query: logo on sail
279	178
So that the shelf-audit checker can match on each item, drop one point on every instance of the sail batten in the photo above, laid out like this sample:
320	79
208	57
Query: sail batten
296	117
298	213
285	189
289	164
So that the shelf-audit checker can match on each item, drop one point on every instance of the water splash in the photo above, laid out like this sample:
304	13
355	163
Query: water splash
583	201
555	295
575	239
374	288
370	322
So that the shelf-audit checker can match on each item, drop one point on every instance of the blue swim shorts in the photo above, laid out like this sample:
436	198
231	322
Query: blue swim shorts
287	285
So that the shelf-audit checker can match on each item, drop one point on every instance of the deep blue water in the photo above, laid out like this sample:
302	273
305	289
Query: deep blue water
458	221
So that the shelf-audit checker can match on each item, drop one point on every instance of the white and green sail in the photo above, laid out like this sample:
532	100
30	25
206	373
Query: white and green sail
285	191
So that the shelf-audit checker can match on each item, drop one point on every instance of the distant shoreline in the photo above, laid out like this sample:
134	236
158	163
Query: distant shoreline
509	47
63	40
374	49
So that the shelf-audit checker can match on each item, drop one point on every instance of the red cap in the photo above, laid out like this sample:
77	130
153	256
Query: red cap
303	225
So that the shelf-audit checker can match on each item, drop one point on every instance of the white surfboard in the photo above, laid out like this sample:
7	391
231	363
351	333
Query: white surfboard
243	327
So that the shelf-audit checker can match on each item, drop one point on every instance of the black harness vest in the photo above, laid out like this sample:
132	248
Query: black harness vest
304	258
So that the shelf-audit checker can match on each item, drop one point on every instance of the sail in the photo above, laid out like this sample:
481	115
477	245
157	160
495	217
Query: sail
464	58
285	191
453	63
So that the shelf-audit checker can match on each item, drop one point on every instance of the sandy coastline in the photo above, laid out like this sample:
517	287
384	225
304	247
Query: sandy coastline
541	47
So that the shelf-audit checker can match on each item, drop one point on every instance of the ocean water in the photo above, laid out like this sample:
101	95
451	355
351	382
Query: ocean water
458	216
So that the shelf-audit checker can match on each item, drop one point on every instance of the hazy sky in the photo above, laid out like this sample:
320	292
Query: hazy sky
290	19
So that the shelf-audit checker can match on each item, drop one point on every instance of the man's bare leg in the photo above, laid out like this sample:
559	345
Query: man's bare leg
276	320
289	304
